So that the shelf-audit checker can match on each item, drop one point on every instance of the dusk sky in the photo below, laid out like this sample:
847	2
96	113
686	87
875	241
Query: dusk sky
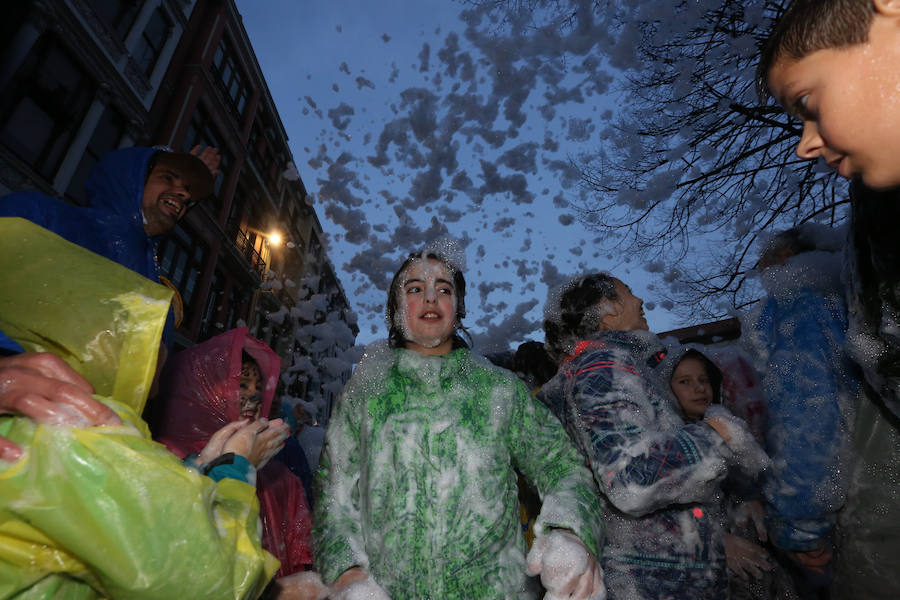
362	89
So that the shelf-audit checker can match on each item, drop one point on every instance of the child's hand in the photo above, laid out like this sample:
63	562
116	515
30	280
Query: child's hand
747	453
215	447
257	441
752	511
745	558
305	585
356	583
567	568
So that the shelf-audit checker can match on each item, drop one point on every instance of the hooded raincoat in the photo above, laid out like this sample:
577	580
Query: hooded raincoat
112	223
417	480
660	478
811	385
199	396
105	512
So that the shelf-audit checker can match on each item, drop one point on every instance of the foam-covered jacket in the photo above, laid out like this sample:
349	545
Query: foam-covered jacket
811	385
417	484
659	477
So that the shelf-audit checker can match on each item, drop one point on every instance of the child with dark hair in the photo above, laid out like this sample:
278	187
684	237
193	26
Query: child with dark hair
418	483
696	383
226	379
659	477
833	65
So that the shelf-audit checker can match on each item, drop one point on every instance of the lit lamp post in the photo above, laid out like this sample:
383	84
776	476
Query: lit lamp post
271	240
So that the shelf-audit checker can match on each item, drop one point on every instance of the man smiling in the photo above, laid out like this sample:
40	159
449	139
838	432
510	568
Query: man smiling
176	182
135	196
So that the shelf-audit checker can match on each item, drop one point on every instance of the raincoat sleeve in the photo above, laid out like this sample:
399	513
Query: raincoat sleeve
810	417
110	507
337	534
638	467
105	511
547	458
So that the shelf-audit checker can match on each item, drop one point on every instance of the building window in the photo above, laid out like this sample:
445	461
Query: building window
43	107
201	133
231	78
105	139
118	15
152	40
208	325
181	260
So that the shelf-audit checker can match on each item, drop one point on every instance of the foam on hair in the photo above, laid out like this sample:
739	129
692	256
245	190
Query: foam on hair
575	311
396	338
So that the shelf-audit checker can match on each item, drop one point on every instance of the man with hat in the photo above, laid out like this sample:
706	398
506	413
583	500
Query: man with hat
135	196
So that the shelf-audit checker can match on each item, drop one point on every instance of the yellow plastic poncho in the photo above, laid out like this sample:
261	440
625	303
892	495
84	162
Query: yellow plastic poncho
105	512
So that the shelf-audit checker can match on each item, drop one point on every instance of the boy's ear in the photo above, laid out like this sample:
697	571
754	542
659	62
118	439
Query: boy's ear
887	8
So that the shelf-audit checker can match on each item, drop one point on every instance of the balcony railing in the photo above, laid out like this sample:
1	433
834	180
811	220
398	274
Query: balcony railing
250	254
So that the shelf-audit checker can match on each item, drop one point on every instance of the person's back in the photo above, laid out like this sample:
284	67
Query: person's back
310	436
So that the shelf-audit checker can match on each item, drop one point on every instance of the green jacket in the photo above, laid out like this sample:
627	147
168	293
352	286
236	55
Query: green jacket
417	483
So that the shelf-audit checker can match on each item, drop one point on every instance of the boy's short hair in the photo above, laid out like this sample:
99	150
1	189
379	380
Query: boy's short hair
811	25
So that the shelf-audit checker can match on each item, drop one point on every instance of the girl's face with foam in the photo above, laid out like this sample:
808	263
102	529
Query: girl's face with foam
692	387
427	307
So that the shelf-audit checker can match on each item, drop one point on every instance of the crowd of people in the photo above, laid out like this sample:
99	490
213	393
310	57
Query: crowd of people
605	463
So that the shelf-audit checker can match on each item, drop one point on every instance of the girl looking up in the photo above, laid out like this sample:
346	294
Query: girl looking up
418	485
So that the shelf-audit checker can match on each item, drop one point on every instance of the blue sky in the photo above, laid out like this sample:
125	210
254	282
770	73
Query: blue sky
364	62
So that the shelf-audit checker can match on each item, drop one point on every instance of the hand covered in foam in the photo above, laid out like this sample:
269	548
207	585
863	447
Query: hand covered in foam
305	585
356	584
567	568
748	454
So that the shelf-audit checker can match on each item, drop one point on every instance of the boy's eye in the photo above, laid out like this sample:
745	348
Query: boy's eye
446	290
801	109
413	289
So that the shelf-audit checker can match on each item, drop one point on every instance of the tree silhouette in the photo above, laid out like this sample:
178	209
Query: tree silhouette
693	169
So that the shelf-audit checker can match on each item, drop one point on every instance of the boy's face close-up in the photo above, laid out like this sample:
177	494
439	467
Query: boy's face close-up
848	100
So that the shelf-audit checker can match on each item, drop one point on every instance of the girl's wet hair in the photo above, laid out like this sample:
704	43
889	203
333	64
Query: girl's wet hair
578	314
395	334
